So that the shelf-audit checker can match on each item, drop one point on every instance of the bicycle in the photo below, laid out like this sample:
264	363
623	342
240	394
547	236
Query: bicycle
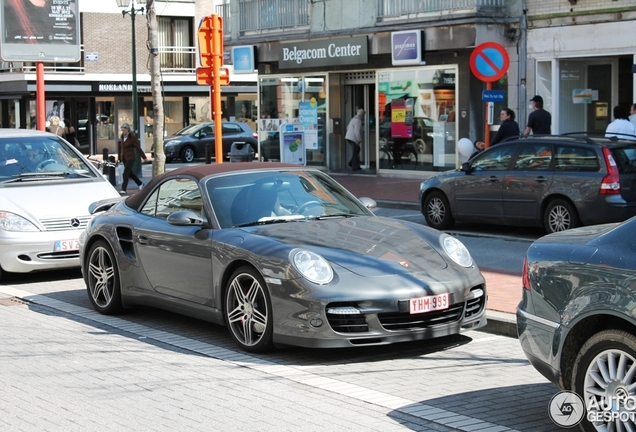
388	158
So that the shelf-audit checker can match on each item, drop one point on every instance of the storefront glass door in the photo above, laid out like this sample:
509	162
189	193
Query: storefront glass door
363	96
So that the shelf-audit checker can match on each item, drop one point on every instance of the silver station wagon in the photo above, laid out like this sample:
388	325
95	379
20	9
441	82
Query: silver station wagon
558	182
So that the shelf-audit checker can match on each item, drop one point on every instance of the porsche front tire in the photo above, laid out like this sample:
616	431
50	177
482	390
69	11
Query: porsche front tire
102	280
248	311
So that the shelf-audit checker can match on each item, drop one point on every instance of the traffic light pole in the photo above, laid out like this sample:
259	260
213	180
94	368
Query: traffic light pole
210	37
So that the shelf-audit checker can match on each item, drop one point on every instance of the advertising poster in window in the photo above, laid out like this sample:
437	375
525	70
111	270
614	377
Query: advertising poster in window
293	146
308	118
402	118
40	30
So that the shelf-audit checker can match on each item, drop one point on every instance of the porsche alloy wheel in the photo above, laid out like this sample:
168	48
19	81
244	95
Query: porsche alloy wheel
102	280
605	372
437	211
248	311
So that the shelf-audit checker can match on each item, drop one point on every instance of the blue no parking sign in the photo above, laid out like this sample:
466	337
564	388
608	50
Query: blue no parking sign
489	61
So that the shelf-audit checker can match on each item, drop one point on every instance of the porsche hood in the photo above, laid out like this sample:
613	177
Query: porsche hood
370	246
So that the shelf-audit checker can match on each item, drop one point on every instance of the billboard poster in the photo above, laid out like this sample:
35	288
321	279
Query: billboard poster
40	30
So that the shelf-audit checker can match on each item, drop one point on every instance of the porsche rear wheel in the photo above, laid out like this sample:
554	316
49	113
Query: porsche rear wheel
102	280
248	311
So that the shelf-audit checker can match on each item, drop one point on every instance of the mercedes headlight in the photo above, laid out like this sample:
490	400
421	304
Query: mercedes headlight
312	266
13	222
456	251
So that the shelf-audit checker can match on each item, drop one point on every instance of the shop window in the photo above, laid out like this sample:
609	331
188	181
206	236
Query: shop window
417	114
293	100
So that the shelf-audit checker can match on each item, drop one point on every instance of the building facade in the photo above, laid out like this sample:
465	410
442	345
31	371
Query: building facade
581	59
315	63
95	94
325	60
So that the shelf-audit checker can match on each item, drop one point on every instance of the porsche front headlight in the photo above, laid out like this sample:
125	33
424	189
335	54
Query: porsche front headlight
13	222
312	266
456	251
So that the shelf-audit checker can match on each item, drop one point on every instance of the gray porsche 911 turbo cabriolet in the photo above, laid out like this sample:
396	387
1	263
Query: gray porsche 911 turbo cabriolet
282	255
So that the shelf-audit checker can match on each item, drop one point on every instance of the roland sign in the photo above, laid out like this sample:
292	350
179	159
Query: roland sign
327	52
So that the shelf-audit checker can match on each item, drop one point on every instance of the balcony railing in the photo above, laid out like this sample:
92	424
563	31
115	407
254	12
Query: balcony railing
223	10
258	15
174	60
178	59
398	8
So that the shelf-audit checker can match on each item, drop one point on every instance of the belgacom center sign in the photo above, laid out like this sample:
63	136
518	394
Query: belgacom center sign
326	52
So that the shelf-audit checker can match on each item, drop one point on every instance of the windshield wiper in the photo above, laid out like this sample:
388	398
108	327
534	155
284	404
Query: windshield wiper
37	176
334	215
273	219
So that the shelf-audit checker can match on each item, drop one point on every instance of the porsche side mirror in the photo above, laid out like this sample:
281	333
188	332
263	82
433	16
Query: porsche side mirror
184	218
369	203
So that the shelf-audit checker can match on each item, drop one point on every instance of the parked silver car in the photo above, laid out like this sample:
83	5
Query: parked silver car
46	186
558	182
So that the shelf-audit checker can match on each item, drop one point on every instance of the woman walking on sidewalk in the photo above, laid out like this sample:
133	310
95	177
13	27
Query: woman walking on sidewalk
128	145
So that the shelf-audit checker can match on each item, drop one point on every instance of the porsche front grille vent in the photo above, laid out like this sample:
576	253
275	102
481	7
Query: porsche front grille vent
405	320
475	306
346	323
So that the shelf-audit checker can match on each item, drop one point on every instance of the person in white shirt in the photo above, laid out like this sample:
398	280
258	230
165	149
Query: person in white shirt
632	112
354	138
621	127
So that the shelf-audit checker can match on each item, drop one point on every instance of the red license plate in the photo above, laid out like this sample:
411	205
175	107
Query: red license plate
429	303
66	246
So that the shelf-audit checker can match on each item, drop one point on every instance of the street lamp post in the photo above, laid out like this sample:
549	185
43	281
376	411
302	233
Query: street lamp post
128	7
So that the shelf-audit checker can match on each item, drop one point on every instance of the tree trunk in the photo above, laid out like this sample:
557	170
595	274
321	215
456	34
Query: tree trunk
159	158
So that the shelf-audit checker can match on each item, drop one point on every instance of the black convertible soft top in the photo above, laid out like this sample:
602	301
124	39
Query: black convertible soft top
201	171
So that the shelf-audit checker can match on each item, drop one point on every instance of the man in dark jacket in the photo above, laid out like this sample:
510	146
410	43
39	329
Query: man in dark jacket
129	144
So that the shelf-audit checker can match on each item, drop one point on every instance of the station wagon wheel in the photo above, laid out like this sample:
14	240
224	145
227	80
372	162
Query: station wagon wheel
102	279
560	215
604	370
187	154
437	211
248	311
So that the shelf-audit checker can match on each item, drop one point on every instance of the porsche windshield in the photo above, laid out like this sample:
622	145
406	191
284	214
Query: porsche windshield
244	199
40	156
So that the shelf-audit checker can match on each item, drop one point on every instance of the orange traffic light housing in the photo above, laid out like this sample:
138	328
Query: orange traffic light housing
210	36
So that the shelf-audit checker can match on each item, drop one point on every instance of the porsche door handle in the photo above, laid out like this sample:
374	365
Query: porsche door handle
541	179
493	179
143	240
